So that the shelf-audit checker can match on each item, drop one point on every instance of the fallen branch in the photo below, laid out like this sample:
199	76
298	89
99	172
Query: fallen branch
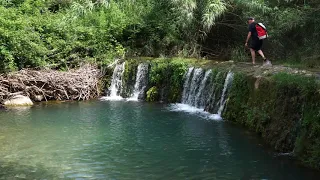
77	84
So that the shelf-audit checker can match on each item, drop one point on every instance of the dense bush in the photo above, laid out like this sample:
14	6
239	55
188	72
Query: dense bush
59	34
166	79
65	33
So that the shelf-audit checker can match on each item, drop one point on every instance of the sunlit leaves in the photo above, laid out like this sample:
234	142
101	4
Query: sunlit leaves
38	32
213	9
289	19
185	10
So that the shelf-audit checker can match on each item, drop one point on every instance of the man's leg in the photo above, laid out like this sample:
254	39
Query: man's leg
253	55
262	55
265	60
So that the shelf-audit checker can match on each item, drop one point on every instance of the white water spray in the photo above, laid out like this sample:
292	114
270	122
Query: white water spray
186	85
202	92
198	87
223	99
193	87
141	82
116	83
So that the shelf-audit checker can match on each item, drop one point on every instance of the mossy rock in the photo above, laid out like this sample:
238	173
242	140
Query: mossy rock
284	108
152	94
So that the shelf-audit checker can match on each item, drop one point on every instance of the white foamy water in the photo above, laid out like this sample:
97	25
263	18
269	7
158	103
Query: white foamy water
186	85
116	83
141	82
132	99
111	98
117	98
178	107
223	99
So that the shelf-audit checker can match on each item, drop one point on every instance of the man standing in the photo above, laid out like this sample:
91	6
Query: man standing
256	43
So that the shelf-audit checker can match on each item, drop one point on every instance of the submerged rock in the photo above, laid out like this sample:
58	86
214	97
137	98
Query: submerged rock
18	100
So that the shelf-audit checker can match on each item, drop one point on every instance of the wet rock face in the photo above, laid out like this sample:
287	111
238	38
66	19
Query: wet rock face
283	108
18	100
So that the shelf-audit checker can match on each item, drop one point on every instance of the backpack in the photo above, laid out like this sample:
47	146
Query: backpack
261	31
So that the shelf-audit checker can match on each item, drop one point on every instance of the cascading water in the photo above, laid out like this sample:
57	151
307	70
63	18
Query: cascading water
199	86
227	85
116	83
186	86
193	87
200	89
141	82
212	93
203	91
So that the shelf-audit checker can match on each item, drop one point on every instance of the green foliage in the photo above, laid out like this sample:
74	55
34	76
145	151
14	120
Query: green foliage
152	94
238	54
167	75
35	35
284	109
307	146
66	33
239	96
165	78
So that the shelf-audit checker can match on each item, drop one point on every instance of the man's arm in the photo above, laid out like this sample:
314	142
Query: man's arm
248	37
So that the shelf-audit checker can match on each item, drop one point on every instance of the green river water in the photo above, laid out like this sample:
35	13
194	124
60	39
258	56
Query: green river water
131	140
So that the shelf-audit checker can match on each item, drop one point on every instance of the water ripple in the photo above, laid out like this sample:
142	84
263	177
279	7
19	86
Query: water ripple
130	140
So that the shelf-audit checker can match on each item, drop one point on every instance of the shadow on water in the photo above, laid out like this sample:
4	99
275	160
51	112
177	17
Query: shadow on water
285	164
14	170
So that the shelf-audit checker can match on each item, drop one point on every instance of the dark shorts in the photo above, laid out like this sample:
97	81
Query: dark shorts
256	44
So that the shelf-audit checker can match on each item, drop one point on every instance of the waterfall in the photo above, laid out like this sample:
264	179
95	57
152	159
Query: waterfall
223	99
199	90
141	82
194	86
186	85
116	83
212	93
203	91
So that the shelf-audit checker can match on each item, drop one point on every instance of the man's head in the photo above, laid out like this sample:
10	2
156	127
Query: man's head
250	20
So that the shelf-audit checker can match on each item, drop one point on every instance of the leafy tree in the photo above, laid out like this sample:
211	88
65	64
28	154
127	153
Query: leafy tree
66	33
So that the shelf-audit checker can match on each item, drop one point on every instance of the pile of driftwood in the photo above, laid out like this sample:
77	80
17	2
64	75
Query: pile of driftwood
78	84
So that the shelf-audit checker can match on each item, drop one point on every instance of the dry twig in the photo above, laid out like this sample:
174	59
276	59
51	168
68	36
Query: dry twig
78	84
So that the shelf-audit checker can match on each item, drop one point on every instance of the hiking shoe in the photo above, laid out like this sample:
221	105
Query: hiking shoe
268	62
265	62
